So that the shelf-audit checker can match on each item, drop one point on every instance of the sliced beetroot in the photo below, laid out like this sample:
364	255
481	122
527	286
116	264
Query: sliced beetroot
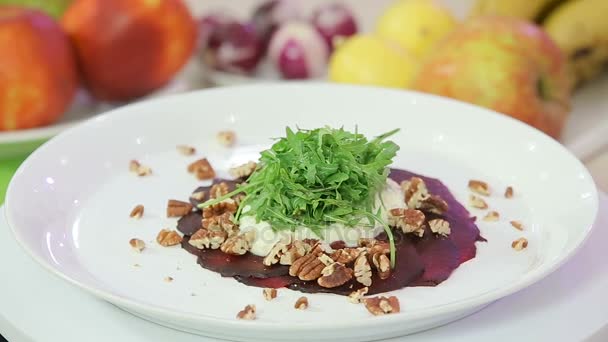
205	189
190	223
227	265
274	282
464	232
439	256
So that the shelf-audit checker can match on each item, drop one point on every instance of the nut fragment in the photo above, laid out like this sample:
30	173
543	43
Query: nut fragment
519	244
345	255
168	279
409	220
382	264
137	244
198	196
363	270
417	196
218	190
204	238
440	226
226	206
356	297
301	303
243	171
382	305
477	202
296	250
479	187
334	275
492	216
509	192
269	294
177	208
186	150
168	238
275	254
226	138
517	225
308	267
139	169
248	313
367	242
137	212
434	204
202	169
238	244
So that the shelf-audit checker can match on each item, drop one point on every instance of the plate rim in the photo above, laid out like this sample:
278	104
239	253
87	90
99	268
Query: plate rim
263	326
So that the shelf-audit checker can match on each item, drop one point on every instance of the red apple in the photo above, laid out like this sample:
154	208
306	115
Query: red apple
38	74
505	64
129	48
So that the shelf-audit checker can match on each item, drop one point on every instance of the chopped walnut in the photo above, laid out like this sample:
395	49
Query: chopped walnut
517	225
248	313
274	256
243	171
492	216
477	202
186	150
440	226
168	279
168	238
218	190
308	267
296	250
334	275
198	196
204	238
356	297
301	303
202	169
139	169
363	270
479	187
345	255
226	138
177	208
520	244
238	244
226	206
382	264
137	245
137	212
409	220
382	305
269	294
509	192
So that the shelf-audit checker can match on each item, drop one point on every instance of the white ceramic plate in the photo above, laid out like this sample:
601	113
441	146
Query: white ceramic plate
69	202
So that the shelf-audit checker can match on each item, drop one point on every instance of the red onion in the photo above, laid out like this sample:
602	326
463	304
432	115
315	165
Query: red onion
334	21
210	29
267	17
298	51
238	49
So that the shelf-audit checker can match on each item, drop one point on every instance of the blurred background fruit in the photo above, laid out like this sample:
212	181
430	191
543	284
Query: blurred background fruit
129	48
233	47
367	59
335	21
270	15
54	8
298	51
503	63
38	75
533	10
416	24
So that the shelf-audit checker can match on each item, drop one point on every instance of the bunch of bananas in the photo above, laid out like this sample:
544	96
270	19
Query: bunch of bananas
579	27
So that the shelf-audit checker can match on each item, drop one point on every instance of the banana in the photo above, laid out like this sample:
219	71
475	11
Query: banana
580	29
532	10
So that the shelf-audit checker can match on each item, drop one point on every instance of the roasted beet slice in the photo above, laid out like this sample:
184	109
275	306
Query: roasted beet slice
247	265
274	282
439	256
231	186
464	232
190	223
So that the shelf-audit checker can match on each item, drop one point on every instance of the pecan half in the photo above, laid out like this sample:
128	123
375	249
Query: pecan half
440	226
363	270
177	208
509	192
218	190
296	250
308	267
408	220
269	294
356	297
202	169
248	313
301	303
274	256
520	244
168	238
238	244
479	187
434	204
492	216
226	206
415	192
138	245
382	305
243	171
186	150
226	138
334	275
477	202
382	264
345	255
137	212
204	238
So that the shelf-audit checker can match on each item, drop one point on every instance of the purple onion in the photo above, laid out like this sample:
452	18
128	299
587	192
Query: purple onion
334	21
236	48
270	15
211	27
298	51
